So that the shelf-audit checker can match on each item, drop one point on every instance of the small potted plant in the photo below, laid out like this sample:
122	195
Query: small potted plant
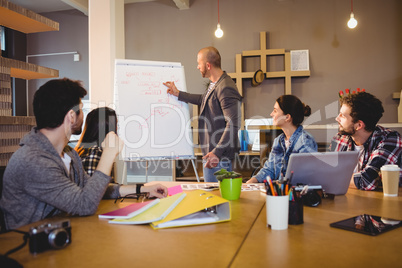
229	184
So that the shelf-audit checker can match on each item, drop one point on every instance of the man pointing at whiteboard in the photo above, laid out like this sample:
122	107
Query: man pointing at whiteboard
220	117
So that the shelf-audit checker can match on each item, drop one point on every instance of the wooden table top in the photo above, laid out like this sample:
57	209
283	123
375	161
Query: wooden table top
97	243
314	243
245	241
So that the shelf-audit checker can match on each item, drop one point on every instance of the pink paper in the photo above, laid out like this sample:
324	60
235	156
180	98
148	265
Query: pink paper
174	190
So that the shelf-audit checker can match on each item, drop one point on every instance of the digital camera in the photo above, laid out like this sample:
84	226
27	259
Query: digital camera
312	197
54	235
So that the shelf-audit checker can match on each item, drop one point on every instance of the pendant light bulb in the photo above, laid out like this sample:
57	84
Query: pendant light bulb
218	32
352	23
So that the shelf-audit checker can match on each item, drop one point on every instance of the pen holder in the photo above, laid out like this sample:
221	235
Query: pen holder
277	212
296	211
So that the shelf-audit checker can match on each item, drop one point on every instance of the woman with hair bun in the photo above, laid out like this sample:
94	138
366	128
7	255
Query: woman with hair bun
288	114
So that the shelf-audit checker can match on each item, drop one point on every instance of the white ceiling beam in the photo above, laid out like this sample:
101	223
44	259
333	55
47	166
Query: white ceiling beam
81	5
137	1
182	4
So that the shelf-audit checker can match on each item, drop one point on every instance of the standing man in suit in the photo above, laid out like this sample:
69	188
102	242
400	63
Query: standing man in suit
220	116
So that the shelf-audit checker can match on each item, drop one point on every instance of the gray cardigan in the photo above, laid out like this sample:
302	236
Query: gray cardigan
220	118
36	184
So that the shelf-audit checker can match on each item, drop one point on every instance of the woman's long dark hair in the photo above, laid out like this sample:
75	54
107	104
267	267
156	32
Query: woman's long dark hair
98	124
290	104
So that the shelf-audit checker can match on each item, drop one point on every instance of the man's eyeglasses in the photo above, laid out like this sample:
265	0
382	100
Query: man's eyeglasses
142	197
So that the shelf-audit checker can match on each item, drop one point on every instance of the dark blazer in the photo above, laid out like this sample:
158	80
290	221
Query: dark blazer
220	117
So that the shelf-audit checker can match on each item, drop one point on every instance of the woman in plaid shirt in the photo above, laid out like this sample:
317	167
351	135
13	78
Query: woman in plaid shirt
98	124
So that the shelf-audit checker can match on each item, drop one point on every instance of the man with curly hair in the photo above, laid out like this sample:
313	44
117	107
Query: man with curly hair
358	131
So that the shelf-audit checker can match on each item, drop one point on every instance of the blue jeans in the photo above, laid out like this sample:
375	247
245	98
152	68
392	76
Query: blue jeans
209	172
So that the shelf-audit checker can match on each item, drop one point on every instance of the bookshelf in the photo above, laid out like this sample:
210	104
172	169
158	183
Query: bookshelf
24	20
13	128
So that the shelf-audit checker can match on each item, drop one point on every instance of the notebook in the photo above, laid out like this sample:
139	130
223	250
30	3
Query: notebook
331	170
130	210
155	213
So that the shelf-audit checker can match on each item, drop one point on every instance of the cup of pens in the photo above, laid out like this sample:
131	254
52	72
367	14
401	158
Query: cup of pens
277	212
277	205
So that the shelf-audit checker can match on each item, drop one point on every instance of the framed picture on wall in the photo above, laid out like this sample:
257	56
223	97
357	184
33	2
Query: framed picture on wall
299	60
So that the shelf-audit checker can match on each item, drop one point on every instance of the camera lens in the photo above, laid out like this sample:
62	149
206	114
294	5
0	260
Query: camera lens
59	238
311	199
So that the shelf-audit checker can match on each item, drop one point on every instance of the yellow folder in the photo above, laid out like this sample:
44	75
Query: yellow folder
198	207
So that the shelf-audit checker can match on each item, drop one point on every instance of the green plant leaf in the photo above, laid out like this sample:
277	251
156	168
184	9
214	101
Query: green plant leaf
220	177
224	174
221	172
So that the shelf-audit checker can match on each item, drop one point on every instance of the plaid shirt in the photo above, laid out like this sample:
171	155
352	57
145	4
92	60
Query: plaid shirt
90	159
383	147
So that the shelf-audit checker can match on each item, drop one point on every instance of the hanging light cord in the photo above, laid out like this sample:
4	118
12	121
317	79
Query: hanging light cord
218	11
351	3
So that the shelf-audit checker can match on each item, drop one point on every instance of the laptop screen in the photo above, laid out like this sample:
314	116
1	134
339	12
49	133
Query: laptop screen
332	170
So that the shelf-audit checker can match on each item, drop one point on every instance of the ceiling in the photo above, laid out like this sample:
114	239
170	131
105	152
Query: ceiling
41	6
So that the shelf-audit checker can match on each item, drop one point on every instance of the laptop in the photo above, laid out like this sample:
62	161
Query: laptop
331	170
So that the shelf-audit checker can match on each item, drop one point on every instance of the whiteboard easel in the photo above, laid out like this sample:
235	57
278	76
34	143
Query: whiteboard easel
153	124
192	162
120	171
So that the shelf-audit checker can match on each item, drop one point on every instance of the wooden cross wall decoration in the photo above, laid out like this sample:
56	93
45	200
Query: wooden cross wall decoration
239	75
263	53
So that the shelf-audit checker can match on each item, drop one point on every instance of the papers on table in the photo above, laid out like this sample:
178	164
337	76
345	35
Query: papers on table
215	186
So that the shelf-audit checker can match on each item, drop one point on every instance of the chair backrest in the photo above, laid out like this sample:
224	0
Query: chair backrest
2	222
2	169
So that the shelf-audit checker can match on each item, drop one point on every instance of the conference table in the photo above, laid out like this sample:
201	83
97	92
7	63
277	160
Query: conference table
315	244
245	241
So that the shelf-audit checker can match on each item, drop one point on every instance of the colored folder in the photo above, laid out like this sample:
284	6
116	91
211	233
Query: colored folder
130	210
155	213
198	207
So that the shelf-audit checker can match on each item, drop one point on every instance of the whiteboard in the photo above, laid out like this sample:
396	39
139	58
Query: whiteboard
152	123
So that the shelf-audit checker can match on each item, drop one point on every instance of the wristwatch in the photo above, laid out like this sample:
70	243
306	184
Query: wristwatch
138	191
